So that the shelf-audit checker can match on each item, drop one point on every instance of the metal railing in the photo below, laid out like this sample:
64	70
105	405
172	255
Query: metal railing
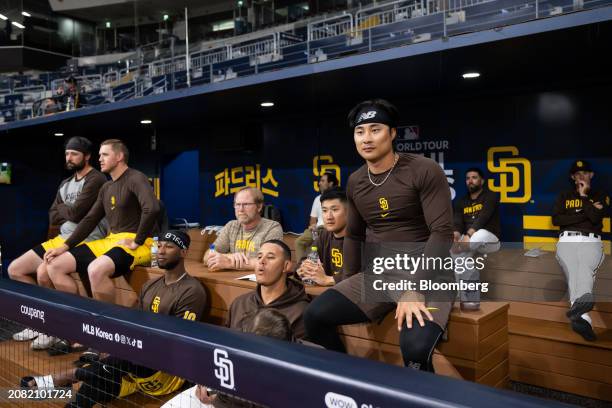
331	27
421	20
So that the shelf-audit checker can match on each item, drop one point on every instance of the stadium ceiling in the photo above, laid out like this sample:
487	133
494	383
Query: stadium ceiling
100	11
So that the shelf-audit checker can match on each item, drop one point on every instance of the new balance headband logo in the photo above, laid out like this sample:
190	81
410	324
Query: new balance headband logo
225	369
173	238
366	115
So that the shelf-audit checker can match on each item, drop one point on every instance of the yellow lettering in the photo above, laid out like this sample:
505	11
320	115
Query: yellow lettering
336	256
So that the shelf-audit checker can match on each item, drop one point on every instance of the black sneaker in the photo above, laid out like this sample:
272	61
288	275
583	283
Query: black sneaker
583	328
582	305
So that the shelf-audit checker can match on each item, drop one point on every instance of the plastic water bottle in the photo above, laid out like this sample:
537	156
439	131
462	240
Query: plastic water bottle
313	256
154	250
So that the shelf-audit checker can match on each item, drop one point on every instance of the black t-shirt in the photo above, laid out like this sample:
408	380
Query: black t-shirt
481	212
572	212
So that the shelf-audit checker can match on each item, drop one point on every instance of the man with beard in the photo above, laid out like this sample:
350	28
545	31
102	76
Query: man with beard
176	293
238	243
73	200
131	208
477	230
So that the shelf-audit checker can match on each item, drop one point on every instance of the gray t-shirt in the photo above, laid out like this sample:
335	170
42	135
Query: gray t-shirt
233	238
69	193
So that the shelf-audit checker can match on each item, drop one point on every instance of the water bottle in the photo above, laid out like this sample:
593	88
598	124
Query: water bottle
154	249
211	249
313	256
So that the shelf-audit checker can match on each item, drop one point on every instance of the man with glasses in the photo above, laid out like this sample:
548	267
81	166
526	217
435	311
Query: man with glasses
238	242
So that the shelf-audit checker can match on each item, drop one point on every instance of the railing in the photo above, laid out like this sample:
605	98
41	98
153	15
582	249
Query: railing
422	20
330	27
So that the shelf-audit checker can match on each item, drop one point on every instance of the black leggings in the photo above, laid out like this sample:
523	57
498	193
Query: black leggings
102	381
332	309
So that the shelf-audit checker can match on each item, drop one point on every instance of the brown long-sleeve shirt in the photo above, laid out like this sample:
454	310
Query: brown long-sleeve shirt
129	205
413	205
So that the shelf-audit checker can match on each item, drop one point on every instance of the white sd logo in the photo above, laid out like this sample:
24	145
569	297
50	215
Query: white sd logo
225	368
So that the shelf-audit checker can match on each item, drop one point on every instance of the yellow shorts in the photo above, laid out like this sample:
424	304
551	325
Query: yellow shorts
53	243
159	383
141	255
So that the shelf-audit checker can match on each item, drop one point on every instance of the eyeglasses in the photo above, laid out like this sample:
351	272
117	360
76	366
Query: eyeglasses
242	205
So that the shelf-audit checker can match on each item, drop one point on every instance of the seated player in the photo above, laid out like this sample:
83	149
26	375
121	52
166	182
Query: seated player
176	293
131	208
73	200
303	243
330	241
476	230
263	322
274	289
238	243
579	213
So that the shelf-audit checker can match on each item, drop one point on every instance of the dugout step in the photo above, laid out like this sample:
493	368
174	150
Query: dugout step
550	354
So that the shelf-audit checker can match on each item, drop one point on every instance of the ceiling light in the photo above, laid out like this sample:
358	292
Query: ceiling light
108	25
16	24
166	17
58	134
267	104
26	14
2	16
146	121
471	75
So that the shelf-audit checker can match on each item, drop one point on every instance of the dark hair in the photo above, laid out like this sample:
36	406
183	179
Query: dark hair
267	322
333	194
381	104
475	170
284	247
331	177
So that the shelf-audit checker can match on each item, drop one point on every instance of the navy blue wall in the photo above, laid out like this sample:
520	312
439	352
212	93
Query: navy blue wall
549	130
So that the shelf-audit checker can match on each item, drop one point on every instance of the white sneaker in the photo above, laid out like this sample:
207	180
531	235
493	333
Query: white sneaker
25	334
43	342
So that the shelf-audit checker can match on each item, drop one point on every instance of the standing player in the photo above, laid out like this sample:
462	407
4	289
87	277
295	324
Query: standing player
73	200
401	198
131	208
579	213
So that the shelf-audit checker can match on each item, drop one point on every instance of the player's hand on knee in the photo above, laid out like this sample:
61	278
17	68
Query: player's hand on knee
202	394
598	205
129	243
405	311
51	254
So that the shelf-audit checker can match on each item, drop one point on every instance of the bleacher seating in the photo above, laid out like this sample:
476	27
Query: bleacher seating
384	25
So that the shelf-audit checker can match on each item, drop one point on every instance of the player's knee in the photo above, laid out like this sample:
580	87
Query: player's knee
42	277
13	269
97	272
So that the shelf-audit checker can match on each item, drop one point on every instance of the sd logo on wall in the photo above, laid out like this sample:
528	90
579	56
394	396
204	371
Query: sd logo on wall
514	174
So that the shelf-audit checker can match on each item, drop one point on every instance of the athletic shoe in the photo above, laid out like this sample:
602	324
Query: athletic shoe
583	304
583	328
25	334
43	342
62	347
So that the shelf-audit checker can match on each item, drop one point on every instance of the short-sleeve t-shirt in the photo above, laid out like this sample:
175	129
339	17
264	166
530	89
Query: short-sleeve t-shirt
233	238
316	211
185	298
